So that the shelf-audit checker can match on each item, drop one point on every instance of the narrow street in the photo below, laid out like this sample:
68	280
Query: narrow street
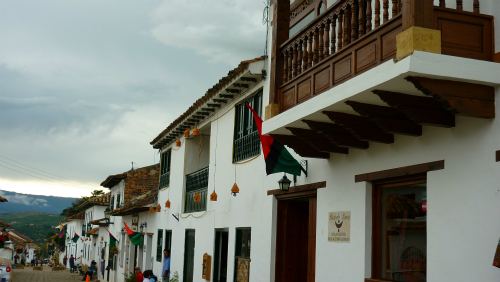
47	275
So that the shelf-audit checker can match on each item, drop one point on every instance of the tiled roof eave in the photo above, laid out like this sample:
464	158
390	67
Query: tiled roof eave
242	75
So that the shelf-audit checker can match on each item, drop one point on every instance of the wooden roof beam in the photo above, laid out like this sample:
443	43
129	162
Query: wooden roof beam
470	99
337	134
422	110
226	96
387	118
301	148
248	79
361	127
317	141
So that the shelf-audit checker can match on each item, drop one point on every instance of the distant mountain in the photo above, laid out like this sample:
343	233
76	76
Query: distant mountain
35	225
22	203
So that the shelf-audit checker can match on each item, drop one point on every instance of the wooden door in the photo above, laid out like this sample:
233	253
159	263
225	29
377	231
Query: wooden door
296	240
189	255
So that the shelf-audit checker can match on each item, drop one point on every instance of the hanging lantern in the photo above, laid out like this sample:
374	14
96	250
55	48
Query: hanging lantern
158	208
195	132
178	142
167	204
186	133
197	197
235	189
213	196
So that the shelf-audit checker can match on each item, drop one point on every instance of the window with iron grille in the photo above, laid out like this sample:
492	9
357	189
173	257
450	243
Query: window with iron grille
246	138
165	168
196	187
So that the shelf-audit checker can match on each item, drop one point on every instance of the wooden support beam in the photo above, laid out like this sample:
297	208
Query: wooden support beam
222	101
226	96
361	127
208	109
301	148
234	91
422	110
213	105
203	113
468	99
387	118
241	85
337	134
248	79
317	141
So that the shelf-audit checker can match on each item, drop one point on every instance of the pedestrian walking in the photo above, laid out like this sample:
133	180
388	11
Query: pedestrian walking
72	263
165	272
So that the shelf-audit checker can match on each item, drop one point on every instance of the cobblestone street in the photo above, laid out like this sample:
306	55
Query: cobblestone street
47	275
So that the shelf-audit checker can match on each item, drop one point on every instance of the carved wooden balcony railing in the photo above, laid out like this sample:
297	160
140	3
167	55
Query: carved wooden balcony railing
353	36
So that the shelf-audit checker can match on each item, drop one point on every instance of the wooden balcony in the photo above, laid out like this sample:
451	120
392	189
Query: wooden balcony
353	36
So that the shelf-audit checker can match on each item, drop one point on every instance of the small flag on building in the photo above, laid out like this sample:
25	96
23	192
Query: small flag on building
135	237
75	238
277	157
62	232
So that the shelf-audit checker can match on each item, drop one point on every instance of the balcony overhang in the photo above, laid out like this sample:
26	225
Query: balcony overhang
392	98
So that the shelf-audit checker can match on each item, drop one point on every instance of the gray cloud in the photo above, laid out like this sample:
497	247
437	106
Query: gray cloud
85	85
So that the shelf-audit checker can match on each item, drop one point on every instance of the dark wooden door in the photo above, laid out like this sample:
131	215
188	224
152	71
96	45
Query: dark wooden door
220	255
189	255
296	240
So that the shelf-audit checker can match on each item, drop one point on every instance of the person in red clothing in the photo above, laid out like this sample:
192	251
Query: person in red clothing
138	275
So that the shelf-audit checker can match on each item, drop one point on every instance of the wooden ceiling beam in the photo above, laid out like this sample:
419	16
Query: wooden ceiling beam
470	99
301	148
337	134
211	110
387	118
422	110
361	127
317	141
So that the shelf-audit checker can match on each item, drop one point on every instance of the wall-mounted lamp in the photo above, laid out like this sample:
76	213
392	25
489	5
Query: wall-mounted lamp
284	183
143	225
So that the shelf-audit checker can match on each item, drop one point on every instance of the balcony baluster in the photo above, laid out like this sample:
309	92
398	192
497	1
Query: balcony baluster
368	16
326	39
354	21
377	13
386	11
460	6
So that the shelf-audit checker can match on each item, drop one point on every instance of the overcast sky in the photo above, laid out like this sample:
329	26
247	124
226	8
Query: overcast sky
86	85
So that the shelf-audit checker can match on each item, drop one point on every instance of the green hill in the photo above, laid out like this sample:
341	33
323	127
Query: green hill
34	225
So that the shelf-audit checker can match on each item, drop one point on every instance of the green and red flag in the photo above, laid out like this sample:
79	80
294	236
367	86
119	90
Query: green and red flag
277	157
75	238
135	237
62	232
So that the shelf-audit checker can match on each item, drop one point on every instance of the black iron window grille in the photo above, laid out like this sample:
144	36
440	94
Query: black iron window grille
246	138
196	191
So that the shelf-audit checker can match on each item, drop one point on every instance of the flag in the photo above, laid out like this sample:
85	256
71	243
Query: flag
277	157
135	237
75	238
62	232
